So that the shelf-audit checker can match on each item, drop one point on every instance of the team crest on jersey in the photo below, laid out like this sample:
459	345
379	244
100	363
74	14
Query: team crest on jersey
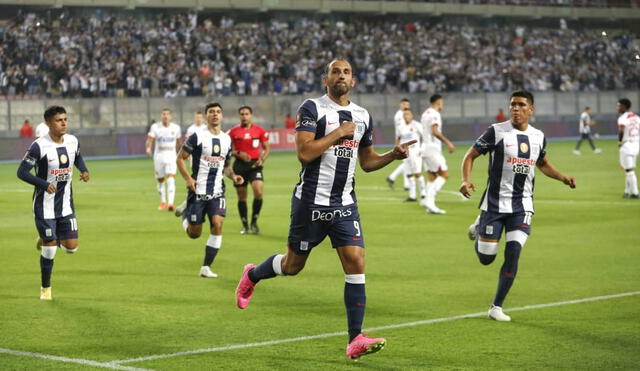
216	149
63	159
524	148
359	127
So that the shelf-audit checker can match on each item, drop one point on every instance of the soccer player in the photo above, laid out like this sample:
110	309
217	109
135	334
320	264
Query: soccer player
198	125
628	141
585	131
250	149
515	148
398	119
42	129
53	156
332	133
166	135
434	161
411	130
210	151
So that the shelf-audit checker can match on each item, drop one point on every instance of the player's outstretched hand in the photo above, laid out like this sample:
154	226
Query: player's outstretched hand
348	128
466	189
571	182
238	179
51	188
84	176
401	151
191	184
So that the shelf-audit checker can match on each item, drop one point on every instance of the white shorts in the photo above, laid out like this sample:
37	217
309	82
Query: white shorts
413	163
629	155
164	164
434	161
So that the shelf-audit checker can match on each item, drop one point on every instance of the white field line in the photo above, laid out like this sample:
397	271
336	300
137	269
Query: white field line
343	333
80	361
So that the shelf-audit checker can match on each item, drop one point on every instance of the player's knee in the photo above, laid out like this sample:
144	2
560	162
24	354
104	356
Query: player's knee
71	249
486	251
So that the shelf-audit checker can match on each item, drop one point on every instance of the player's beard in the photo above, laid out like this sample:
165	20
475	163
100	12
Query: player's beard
339	89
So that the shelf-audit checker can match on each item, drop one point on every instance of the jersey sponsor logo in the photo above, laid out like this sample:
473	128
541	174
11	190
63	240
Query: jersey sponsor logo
523	161
213	161
343	152
524	148
205	197
327	216
521	169
348	143
28	159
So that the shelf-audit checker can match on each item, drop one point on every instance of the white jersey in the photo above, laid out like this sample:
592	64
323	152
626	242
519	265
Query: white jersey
329	179
193	128
398	118
41	130
429	118
211	154
629	122
585	120
513	158
53	163
408	132
165	137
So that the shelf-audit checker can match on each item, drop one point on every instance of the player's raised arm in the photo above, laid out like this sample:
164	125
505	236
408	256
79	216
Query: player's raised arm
549	170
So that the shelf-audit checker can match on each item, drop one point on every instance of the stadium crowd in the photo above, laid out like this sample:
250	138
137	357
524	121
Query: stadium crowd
184	54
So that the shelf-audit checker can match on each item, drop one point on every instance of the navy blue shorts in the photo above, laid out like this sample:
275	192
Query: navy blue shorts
65	228
310	224
200	205
491	224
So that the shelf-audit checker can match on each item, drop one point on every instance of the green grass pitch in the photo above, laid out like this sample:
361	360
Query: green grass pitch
133	289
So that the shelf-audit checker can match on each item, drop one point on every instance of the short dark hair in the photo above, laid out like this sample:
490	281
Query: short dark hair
326	69
405	100
523	94
167	109
625	102
587	108
198	112
210	105
434	98
52	111
245	107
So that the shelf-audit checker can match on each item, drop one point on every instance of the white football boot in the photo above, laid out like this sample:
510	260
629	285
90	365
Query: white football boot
472	231
45	293
207	273
497	314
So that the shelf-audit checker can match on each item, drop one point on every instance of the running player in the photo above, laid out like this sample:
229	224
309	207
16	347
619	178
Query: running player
332	133
411	130
515	148
210	151
251	149
198	125
166	135
398	120
434	161
585	131
53	156
628	141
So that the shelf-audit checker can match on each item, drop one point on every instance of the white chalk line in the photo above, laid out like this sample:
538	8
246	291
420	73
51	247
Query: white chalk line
85	362
379	328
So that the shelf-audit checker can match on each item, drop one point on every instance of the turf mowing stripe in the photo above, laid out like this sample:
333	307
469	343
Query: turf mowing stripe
343	333
85	362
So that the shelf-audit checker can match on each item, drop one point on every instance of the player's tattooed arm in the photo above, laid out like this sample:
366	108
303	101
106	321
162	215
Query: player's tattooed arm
467	166
549	170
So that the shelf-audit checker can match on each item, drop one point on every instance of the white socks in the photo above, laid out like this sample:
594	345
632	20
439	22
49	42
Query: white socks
277	264
161	192
214	241
631	186
412	187
48	252
437	184
399	169
171	189
423	186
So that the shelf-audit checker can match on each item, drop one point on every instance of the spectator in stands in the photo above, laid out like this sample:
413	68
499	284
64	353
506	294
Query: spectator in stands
26	131
289	122
500	117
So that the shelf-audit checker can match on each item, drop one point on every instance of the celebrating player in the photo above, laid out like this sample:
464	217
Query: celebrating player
248	138
53	156
434	161
398	120
411	130
332	133
167	138
628	127
585	131
210	150
515	147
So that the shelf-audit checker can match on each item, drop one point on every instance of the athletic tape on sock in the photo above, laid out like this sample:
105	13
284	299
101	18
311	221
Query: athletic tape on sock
354	278
214	241
487	248
517	236
68	251
48	252
277	264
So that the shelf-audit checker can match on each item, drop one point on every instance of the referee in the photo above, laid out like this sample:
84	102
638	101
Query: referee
250	149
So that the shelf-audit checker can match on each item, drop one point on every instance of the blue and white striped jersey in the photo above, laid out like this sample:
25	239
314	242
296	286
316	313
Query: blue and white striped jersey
210	155
329	179
53	163
513	156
